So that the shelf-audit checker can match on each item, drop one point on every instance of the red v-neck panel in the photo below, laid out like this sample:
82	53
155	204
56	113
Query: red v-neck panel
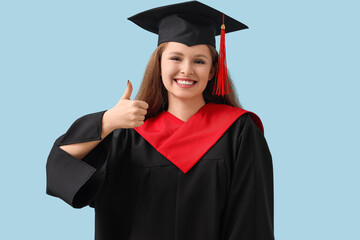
185	143
156	130
174	118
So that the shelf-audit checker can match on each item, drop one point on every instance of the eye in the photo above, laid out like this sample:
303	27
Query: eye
199	61
175	58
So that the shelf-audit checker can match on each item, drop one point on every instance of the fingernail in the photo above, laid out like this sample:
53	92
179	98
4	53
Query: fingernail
127	82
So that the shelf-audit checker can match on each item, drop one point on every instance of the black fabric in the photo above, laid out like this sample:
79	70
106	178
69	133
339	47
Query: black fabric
190	23
139	194
77	181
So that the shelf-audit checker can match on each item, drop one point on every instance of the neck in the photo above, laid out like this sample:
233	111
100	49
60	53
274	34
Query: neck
184	109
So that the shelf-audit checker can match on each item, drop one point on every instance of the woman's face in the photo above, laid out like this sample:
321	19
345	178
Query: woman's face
185	71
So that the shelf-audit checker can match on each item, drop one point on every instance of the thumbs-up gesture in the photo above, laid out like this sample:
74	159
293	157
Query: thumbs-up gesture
126	113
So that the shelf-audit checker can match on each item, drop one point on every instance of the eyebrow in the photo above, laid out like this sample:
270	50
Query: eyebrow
179	53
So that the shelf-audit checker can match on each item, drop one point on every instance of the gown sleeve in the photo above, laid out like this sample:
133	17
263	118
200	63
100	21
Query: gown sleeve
249	209
75	181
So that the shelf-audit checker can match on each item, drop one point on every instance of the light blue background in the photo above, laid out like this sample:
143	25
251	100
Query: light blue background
297	67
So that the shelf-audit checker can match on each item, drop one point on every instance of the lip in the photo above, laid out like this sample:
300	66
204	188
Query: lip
185	79
184	85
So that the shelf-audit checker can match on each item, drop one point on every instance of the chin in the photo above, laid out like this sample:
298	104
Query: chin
187	97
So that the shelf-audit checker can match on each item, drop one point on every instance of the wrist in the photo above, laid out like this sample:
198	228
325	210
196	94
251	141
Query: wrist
106	124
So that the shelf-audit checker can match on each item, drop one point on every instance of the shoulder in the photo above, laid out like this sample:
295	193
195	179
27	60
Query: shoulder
243	124
121	137
250	120
122	133
243	115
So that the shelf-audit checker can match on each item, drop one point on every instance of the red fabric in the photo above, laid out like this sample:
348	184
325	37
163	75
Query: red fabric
184	143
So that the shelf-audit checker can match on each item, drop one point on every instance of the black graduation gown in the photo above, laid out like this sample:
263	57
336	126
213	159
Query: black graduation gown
138	194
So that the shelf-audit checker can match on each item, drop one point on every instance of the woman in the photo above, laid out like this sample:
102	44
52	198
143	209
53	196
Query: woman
179	162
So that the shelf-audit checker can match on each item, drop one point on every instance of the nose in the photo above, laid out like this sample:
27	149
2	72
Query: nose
186	68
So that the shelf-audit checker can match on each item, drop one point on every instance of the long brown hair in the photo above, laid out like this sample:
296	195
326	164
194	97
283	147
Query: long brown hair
153	91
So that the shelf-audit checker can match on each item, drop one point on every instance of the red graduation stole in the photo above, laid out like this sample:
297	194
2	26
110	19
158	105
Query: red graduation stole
184	143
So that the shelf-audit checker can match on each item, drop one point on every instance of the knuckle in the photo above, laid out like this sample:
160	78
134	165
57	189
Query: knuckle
134	110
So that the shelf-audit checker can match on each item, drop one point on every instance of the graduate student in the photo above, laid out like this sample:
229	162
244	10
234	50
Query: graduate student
183	161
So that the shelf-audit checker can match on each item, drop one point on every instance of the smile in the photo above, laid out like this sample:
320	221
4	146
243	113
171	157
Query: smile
181	82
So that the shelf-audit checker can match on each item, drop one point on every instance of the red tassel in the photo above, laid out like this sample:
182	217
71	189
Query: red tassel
221	81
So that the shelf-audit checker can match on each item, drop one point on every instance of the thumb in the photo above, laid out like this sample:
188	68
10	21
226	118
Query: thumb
128	91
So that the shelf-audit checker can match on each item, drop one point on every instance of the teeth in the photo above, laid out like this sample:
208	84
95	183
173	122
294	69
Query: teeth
185	82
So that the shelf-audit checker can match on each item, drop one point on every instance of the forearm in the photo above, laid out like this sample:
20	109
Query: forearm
80	150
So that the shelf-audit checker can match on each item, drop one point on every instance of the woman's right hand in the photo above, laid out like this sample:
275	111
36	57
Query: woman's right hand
126	113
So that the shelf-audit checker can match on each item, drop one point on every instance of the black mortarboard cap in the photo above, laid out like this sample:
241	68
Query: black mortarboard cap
190	23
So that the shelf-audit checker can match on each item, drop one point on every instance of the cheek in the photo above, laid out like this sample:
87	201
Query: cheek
161	67
206	74
212	72
165	75
168	70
